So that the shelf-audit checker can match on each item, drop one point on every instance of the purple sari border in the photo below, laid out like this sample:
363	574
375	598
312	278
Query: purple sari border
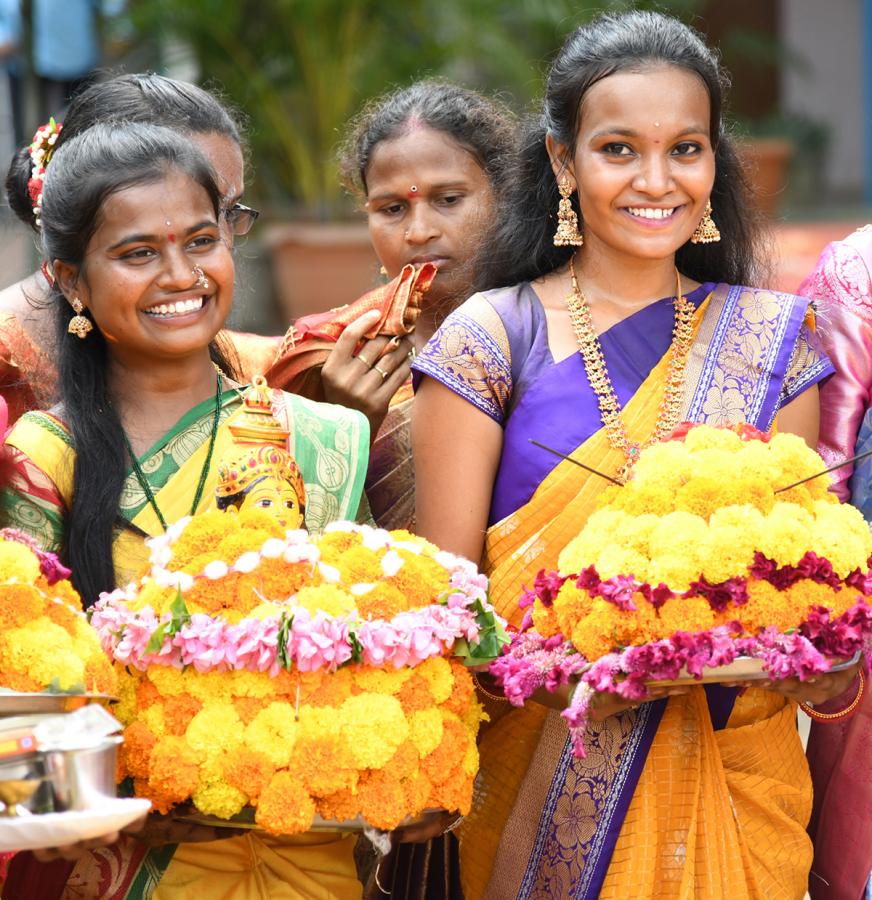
629	762
596	864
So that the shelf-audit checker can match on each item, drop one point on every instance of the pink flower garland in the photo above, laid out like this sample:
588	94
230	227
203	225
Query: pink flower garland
531	662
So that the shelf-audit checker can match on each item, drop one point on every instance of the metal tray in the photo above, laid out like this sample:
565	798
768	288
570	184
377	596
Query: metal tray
245	819
13	703
744	668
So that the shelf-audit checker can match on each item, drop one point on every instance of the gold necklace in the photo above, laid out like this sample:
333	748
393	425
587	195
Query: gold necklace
597	374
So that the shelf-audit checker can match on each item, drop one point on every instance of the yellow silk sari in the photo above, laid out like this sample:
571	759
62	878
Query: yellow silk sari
714	814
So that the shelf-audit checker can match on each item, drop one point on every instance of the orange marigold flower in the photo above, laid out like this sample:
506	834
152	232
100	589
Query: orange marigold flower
284	806
404	762
146	694
275	580
454	793
448	756
341	806
261	521
323	764
100	676
178	712
417	789
136	749
384	601
213	597
20	604
174	770
201	535
382	800
248	771
334	689
421	579
247	708
464	689
415	695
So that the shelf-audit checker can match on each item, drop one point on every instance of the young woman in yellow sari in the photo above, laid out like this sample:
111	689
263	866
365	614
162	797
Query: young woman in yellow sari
628	191
143	282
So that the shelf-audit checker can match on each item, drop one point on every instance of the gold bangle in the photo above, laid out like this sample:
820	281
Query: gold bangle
499	697
843	714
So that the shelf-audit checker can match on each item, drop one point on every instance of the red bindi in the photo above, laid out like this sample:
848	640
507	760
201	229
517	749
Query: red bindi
413	192
172	238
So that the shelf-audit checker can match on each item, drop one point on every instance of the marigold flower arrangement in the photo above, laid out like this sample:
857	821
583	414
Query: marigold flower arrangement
299	675
46	643
700	558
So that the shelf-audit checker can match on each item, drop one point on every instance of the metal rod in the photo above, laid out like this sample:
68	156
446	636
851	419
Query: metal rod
576	462
844	462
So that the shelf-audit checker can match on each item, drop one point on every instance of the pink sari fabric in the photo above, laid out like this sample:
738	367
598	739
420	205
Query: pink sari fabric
840	753
841	287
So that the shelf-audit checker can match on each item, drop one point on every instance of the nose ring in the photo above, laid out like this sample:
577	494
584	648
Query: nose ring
202	280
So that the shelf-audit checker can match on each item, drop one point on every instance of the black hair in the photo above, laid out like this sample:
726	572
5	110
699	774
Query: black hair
146	98
483	126
520	247
82	175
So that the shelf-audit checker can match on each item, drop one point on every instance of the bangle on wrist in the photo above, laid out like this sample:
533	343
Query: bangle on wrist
846	713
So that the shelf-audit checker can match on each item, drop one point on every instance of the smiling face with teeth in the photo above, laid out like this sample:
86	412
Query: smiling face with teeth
137	279
643	162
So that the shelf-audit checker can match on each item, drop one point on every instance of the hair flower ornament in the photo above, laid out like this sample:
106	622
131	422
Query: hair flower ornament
41	150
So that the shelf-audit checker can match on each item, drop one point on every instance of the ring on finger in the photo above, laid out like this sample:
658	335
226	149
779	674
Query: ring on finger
380	371
412	354
364	360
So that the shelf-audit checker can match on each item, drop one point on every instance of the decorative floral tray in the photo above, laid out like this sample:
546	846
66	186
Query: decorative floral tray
743	668
13	703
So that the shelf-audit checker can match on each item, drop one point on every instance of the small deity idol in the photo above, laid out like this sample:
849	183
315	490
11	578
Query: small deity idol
257	471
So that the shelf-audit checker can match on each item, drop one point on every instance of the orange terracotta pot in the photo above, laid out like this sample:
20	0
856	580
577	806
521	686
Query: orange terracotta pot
317	267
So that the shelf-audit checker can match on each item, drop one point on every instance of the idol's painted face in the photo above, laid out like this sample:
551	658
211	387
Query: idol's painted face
427	201
140	276
644	163
277	497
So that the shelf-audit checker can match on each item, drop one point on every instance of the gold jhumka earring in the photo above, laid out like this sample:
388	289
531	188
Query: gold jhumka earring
706	232
79	325
567	234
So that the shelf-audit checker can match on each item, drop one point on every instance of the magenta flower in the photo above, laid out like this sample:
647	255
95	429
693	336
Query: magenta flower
619	591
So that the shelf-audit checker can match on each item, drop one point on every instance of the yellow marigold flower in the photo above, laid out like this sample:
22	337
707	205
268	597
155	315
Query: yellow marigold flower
437	670
18	562
787	534
373	725
268	610
215	729
327	598
570	605
841	534
248	771
705	437
249	684
214	796
207	687
425	730
125	710
421	579
634	532
259	520
284	806
470	760
380	681
201	535
472	717
598	534
360	565
153	595
174	772
43	652
620	560
273	732
154	719
169	681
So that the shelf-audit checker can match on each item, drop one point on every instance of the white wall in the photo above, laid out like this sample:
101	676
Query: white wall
827	36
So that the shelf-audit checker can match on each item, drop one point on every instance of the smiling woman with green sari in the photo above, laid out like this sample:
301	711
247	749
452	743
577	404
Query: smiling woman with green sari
143	284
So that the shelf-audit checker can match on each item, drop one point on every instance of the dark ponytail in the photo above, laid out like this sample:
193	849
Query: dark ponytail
82	175
521	246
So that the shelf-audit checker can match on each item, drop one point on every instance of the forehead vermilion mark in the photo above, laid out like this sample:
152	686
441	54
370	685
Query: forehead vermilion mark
171	238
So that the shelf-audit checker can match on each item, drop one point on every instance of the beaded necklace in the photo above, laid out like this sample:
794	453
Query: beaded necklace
597	374
143	481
